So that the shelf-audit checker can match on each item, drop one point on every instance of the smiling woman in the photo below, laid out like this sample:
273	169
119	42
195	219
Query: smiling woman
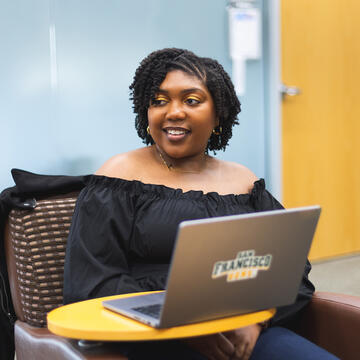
206	71
126	218
181	119
186	106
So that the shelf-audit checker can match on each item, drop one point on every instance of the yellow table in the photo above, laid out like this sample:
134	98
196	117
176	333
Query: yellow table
89	320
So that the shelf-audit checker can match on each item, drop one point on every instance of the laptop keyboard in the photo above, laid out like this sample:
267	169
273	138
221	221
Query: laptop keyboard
150	310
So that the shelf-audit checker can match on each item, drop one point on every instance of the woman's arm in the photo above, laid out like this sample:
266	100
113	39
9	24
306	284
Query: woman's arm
96	261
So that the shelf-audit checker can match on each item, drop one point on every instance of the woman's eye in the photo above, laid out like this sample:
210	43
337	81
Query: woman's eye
192	101
158	101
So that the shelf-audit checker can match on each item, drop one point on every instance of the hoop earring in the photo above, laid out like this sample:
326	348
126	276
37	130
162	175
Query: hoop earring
217	132
148	130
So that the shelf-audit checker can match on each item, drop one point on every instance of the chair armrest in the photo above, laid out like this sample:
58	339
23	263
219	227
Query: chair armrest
39	343
333	322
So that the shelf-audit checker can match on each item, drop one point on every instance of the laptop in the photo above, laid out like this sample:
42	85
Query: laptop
229	265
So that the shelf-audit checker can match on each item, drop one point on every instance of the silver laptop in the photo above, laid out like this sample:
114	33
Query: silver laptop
227	266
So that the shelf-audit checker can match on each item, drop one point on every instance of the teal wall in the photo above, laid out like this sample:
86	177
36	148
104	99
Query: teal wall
74	127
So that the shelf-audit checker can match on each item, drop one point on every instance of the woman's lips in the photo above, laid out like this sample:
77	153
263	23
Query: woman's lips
176	134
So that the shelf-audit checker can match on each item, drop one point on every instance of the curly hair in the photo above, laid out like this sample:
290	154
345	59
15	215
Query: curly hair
152	72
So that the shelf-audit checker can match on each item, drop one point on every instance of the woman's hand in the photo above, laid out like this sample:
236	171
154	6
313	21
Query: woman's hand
243	340
231	345
214	347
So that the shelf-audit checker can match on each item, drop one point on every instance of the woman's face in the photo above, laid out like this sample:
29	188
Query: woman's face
182	115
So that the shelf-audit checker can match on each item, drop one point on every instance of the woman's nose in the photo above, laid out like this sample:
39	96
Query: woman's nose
175	111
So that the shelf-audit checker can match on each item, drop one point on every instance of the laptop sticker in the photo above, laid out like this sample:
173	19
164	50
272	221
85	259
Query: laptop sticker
246	265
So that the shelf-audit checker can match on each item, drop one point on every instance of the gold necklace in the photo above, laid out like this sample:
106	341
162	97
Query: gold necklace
171	167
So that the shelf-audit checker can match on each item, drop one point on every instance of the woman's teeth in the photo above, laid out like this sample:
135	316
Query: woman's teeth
176	132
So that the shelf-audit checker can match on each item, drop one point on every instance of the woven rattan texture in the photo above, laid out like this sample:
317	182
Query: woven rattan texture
39	239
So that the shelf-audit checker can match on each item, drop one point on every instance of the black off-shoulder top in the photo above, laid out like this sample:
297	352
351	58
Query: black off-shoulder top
123	232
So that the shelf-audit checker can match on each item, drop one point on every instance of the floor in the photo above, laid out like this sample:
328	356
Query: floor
340	275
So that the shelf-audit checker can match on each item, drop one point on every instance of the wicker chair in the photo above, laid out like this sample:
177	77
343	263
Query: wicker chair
35	242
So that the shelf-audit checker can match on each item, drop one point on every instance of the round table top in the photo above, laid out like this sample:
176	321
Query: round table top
89	320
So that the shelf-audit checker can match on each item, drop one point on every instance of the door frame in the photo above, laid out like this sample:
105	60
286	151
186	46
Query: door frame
273	98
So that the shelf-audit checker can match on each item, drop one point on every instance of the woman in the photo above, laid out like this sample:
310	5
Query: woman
125	221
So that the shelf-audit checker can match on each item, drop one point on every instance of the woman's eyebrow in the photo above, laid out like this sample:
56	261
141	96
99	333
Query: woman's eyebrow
184	91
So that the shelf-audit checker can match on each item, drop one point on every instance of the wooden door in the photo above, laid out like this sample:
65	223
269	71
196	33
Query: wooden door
321	126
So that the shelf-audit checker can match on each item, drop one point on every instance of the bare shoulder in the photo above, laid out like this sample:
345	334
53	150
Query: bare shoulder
125	165
239	177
